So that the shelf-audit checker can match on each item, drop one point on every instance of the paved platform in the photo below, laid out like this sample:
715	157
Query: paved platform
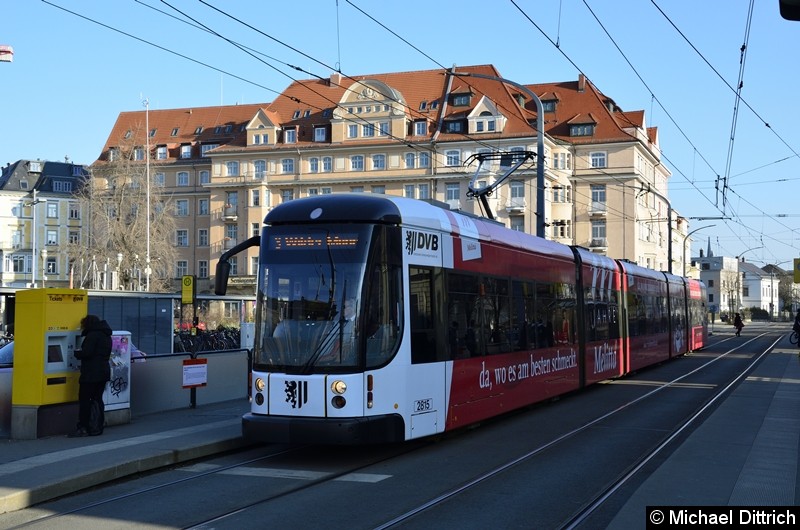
35	471
745	453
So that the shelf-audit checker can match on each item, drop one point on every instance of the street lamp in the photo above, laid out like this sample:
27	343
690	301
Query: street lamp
33	204
44	266
741	285
119	272
684	245
147	269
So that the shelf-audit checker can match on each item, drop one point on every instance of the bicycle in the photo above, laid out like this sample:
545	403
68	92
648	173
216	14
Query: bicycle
793	338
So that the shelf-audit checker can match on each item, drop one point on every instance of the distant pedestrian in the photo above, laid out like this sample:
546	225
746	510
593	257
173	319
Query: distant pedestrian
738	324
95	373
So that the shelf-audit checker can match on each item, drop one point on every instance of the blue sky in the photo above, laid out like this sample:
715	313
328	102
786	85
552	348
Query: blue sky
677	60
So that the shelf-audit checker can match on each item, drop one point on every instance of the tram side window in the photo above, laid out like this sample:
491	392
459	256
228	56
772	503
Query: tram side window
601	315
495	315
465	336
522	316
421	308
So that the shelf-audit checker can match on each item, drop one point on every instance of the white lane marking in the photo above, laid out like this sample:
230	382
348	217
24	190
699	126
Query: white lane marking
297	474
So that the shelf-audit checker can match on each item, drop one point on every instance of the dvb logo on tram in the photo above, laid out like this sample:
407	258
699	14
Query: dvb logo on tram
421	243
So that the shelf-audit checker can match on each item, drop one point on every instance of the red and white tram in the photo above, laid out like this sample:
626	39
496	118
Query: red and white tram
382	319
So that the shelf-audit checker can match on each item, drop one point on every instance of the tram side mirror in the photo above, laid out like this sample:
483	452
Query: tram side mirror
221	278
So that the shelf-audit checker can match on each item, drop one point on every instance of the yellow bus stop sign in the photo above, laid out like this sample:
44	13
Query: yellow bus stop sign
187	290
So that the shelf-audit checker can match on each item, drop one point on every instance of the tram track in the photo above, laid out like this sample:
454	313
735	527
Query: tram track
279	494
590	507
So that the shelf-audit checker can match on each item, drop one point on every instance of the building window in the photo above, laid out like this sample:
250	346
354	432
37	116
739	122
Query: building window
411	160
62	186
562	161
287	165
255	198
420	128
159	179
383	128
327	164
74	210
161	152
52	237
202	237
138	153
598	197
454	126
710	298
424	159
182	238
254	266
326	190
74	237
460	100
181	268
424	191
202	269
599	230
202	206
234	270
319	134
710	283
182	208
409	191
378	189
51	266
378	161
186	151
368	130
581	130
255	229
517	223
357	163
517	189
287	195
313	165
259	169
356	189
52	210
491	125
452	191
598	159
290	136
352	131
549	105
204	148
183	178
205	177
452	157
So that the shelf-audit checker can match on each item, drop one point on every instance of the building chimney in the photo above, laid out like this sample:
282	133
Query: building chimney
581	82
336	79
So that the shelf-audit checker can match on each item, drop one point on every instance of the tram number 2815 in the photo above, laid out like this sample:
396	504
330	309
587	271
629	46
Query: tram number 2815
421	405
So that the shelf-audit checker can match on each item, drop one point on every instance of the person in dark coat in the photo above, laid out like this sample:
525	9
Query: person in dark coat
95	373
738	324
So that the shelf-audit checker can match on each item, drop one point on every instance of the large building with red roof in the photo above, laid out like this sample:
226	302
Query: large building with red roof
407	133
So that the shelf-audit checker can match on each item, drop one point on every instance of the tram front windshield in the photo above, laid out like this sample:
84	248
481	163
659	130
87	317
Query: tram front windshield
315	310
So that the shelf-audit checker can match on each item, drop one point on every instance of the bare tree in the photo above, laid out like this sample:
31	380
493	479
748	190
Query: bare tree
115	225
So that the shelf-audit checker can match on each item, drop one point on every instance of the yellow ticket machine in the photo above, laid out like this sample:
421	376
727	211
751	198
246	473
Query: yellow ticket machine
44	389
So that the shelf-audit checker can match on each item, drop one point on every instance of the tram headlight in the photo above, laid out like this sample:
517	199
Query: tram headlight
338	387
338	402
260	384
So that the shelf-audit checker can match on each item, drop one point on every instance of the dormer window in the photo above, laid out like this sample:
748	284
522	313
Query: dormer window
290	136
307	113
454	126
228	129
460	100
434	105
128	134
153	132
423	105
549	105
585	129
327	113
174	132
198	130
296	115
